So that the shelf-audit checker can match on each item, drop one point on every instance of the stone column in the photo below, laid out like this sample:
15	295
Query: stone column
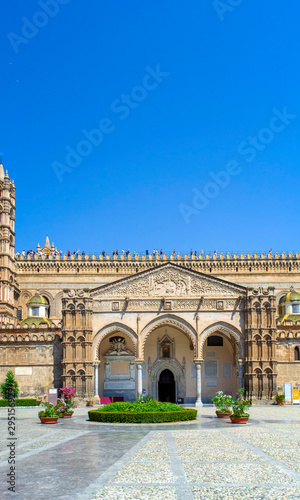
241	375
96	380
198	384
139	380
96	398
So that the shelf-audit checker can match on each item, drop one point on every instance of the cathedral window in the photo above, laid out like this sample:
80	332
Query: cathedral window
297	353
215	340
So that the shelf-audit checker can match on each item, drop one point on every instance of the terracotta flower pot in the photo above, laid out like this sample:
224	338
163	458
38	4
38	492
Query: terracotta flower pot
66	415
238	420
90	404
280	403
222	415
48	420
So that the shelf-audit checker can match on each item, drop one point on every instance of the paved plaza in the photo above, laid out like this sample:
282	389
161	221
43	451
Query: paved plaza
208	459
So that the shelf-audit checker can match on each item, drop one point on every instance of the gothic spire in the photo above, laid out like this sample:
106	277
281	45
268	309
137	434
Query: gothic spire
1	170
47	243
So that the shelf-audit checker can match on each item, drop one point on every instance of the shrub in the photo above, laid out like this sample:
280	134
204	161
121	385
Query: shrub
143	399
142	417
141	407
20	402
280	397
9	388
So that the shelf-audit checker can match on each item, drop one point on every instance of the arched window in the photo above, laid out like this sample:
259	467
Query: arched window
297	353
19	314
47	310
215	340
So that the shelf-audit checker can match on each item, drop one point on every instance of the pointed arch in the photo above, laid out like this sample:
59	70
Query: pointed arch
108	330
179	376
172	320
58	304
228	330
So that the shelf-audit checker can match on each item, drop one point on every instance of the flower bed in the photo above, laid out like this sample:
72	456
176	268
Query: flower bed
140	412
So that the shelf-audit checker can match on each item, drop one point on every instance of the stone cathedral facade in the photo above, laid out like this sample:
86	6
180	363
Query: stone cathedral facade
179	328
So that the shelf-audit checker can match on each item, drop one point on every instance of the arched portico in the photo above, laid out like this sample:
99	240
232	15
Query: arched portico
228	330
111	370
117	328
169	343
222	349
168	320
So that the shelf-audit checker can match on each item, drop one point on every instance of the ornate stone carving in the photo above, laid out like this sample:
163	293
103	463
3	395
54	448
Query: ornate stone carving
118	329
118	348
169	280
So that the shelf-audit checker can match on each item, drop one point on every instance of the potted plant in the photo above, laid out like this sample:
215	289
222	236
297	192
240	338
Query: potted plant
65	404
89	403
239	414
63	410
223	402
280	399
49	415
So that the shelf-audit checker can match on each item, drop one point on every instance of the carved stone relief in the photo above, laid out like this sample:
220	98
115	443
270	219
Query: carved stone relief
169	281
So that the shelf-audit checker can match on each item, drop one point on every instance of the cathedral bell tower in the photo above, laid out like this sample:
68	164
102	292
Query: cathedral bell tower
9	291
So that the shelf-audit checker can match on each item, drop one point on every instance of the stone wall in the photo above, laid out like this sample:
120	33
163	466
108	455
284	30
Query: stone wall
37	366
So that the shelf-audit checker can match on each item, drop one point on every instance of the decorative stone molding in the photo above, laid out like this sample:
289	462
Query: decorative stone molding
156	305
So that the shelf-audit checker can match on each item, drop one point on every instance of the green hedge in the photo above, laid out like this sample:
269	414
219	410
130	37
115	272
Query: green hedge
141	406
20	402
142	417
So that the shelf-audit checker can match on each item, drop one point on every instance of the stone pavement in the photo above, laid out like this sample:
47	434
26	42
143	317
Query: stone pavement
208	459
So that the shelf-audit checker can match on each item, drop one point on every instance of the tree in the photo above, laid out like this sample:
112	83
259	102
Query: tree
9	388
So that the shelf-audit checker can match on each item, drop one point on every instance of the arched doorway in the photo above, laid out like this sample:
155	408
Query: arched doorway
166	387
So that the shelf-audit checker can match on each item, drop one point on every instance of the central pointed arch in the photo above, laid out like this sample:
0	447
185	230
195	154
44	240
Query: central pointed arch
172	320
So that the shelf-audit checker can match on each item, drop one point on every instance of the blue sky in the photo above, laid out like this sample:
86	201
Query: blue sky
201	83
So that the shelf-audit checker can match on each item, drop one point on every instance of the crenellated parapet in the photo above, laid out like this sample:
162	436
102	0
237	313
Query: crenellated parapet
17	335
215	264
